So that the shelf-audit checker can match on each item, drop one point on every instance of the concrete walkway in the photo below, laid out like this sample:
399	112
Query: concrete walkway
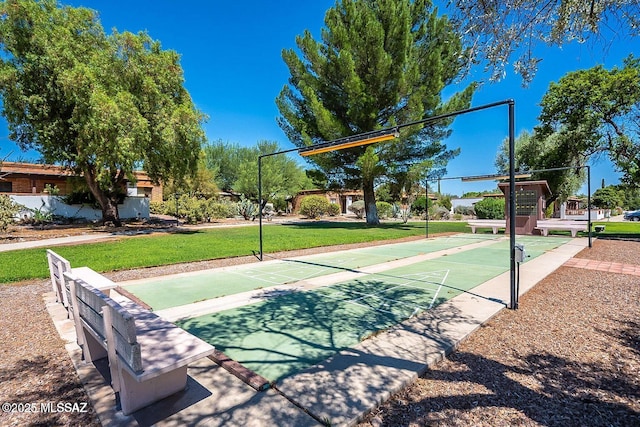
339	390
56	241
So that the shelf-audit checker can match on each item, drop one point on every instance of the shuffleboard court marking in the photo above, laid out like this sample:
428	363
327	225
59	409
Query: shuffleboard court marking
410	282
175	291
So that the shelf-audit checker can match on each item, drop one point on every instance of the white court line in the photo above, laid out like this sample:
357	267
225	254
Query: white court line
354	302
379	295
315	270
438	290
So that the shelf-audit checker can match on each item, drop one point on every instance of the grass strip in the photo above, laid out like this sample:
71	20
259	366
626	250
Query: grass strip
206	244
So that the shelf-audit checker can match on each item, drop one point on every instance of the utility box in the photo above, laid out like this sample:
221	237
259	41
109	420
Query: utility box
520	253
530	205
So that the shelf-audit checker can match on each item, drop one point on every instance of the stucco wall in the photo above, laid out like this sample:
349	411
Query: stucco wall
133	207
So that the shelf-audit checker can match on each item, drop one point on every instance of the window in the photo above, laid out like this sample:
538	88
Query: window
6	187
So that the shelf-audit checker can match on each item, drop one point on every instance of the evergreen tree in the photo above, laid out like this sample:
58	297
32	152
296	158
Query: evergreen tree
379	63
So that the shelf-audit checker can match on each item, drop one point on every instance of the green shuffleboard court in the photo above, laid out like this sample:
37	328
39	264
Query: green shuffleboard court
291	332
173	291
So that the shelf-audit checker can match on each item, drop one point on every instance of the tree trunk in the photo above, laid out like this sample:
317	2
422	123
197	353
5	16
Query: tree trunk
108	205
370	202
110	214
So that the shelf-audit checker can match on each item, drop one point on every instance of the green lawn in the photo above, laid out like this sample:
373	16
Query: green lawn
206	244
626	229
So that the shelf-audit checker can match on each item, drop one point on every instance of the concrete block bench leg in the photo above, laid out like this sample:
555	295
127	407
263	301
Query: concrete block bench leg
135	395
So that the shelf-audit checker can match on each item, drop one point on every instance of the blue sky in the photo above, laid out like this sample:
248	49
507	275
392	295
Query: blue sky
231	56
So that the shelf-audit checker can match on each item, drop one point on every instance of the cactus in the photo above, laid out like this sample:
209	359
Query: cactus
247	209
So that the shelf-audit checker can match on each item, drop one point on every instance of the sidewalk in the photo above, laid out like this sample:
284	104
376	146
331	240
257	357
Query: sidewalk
338	391
55	242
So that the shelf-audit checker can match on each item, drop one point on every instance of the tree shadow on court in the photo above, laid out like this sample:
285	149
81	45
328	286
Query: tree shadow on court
292	331
544	388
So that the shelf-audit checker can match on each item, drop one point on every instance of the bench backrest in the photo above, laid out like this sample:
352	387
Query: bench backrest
57	267
119	326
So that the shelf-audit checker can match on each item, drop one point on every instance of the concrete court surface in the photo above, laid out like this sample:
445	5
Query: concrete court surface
337	391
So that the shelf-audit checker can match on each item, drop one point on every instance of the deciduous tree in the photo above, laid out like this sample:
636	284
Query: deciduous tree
103	105
236	169
502	32
379	63
597	111
538	152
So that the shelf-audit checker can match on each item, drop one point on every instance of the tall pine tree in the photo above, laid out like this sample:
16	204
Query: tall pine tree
380	63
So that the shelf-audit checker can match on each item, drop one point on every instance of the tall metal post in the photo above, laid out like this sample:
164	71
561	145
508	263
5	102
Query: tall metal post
426	203
512	205
589	202
260	202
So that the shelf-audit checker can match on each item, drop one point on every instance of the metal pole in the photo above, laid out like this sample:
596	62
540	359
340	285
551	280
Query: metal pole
512	205
426	203
260	202
589	202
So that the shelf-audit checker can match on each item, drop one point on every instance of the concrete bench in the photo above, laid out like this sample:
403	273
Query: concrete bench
574	227
148	356
493	224
58	265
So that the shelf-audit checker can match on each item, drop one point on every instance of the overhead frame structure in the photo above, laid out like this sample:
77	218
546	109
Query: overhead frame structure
370	138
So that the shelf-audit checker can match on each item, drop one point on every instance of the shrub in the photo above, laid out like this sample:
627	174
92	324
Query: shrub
457	217
357	208
220	210
157	208
334	209
385	210
314	206
8	211
280	204
419	205
444	200
464	210
191	209
490	208
438	212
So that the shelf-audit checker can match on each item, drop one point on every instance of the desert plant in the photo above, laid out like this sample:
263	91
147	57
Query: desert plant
8	211
464	210
334	209
385	210
357	208
247	209
438	212
314	206
219	210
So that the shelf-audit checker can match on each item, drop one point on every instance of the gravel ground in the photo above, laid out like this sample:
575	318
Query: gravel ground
570	356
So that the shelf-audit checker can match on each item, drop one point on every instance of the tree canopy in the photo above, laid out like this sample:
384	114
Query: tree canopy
102	105
607	198
537	152
236	169
500	30
378	64
597	111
